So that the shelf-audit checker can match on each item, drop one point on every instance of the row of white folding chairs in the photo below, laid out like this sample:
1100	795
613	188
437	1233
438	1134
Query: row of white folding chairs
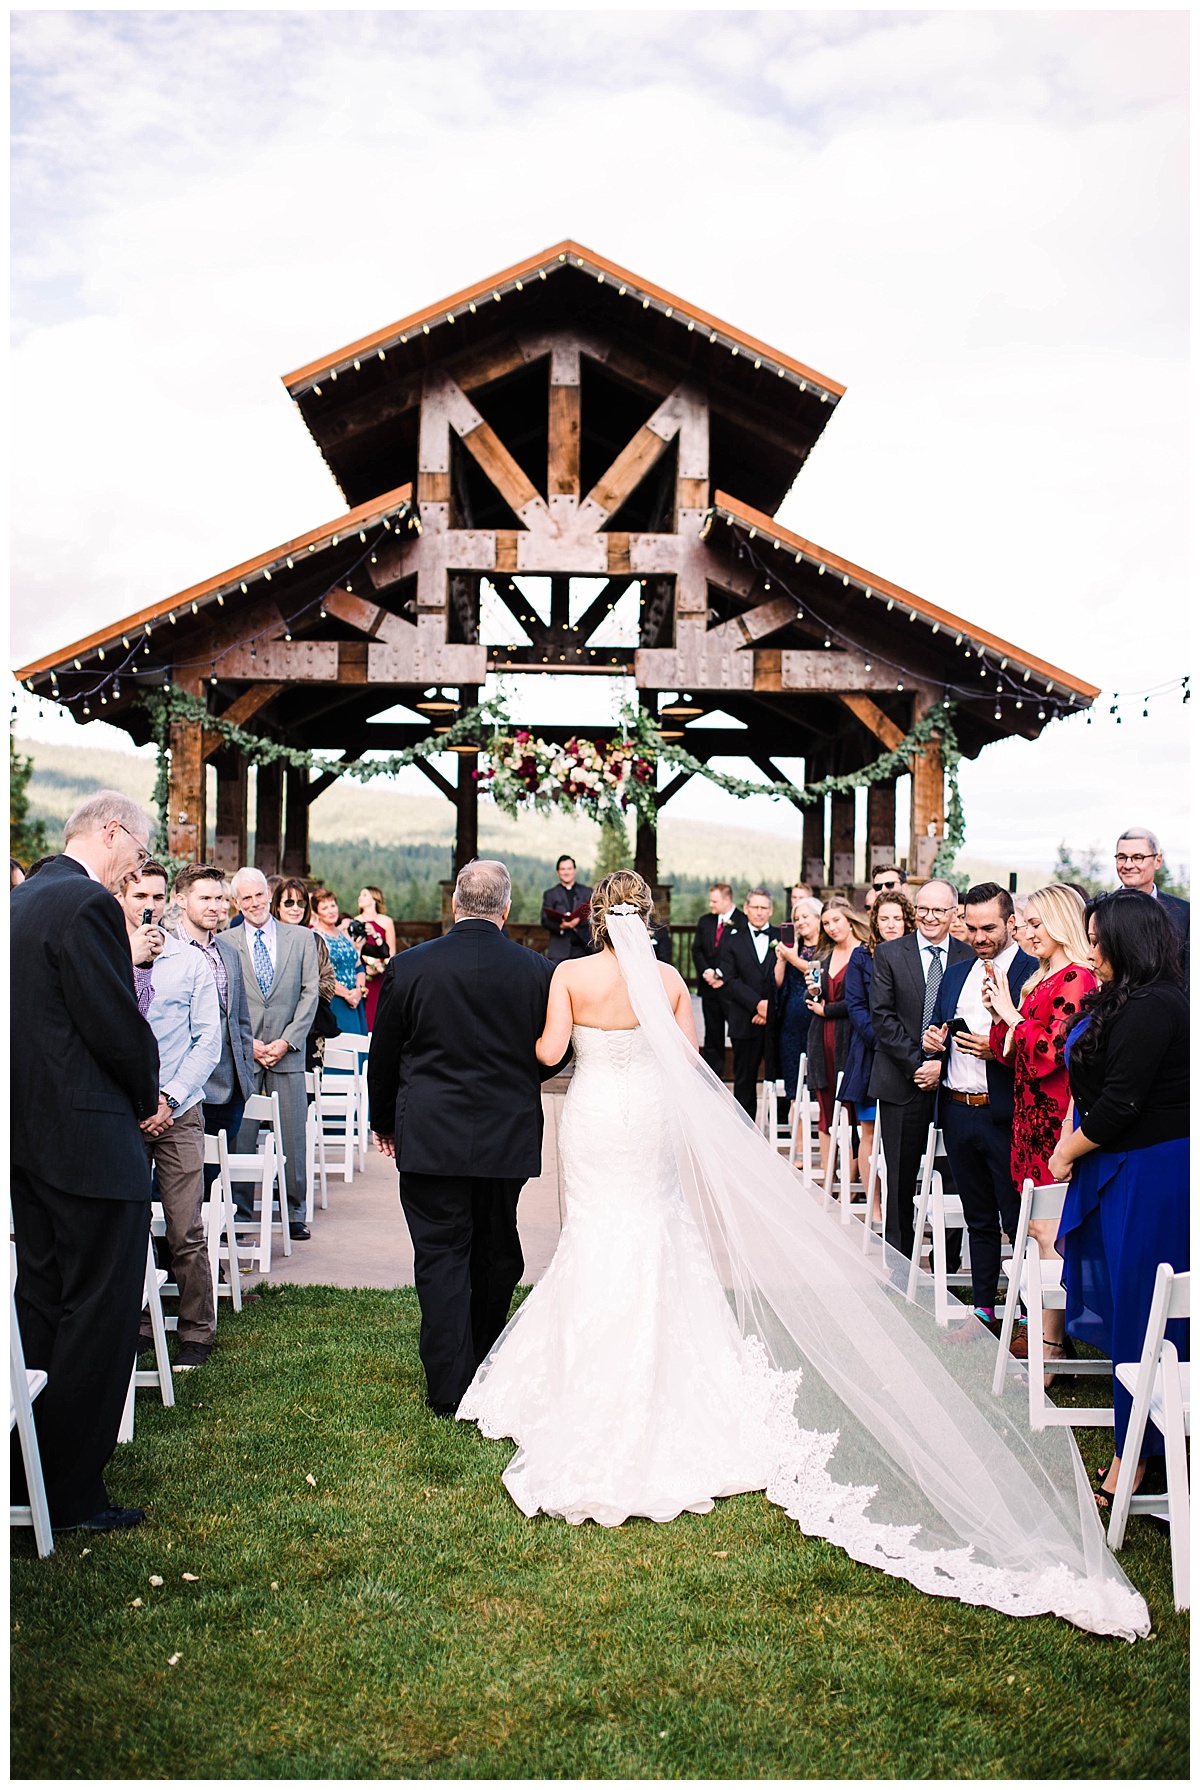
24	1385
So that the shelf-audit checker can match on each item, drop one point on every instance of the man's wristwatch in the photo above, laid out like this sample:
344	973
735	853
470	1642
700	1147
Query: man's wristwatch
173	1104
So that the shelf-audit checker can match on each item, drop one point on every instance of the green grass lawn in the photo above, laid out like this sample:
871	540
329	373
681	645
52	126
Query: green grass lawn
400	1618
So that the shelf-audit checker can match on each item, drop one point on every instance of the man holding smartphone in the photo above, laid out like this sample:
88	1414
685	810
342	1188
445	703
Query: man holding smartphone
975	1107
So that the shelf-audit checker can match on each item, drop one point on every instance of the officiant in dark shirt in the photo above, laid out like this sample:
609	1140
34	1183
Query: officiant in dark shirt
568	938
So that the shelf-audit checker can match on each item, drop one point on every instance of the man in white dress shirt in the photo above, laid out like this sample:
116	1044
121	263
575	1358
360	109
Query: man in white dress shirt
975	1108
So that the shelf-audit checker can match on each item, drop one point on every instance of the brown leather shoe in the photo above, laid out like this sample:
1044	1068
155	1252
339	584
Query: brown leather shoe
1018	1345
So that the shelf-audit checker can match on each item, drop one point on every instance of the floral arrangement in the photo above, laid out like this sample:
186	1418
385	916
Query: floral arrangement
600	779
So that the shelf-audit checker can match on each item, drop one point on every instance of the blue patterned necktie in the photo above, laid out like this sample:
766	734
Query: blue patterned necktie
932	983
262	963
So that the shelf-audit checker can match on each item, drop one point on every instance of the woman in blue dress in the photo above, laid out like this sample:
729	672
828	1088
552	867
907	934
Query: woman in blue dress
347	1002
891	918
793	987
1124	1147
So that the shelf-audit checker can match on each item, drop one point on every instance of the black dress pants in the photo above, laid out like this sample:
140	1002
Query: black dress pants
980	1153
81	1268
713	1048
467	1261
904	1129
748	1054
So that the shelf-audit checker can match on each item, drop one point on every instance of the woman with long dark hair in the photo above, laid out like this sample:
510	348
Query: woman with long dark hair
1125	1146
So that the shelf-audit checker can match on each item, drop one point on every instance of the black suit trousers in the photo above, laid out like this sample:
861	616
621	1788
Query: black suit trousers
904	1129
81	1268
467	1262
713	1048
980	1153
748	1054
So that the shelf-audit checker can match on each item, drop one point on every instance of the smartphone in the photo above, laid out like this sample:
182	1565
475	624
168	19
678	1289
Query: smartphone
147	916
787	933
958	1025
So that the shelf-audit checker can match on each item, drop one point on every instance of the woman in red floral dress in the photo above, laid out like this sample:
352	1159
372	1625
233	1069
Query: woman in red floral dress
1032	1037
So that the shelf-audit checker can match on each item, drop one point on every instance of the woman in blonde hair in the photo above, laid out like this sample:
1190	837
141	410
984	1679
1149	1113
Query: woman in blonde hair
829	1031
1032	1038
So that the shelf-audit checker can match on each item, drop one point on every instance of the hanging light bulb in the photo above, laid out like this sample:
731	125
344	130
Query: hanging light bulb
996	716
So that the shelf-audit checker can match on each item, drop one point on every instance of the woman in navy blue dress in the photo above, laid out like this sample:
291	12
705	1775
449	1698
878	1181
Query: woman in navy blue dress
891	918
1124	1147
793	987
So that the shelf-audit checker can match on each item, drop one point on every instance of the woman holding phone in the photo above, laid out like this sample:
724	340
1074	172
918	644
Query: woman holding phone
829	1026
890	918
794	957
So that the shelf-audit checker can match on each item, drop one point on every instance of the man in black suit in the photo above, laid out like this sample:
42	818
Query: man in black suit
455	1093
568	938
710	930
1139	860
746	964
905	980
976	1093
84	1077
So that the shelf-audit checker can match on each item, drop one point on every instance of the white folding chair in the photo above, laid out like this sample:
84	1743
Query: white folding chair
936	1214
24	1385
265	1109
1039	1280
233	1234
876	1177
839	1161
314	1148
217	1215
804	1148
339	1108
1161	1388
360	1044
160	1374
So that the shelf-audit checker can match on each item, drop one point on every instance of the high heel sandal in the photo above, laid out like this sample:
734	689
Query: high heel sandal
1066	1352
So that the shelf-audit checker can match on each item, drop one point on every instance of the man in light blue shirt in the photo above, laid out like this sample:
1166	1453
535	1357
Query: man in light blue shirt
179	997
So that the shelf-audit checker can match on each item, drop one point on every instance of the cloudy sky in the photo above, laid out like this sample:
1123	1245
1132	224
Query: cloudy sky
977	222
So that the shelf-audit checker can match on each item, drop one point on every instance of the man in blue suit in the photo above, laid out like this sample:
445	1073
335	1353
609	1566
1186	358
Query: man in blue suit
975	1100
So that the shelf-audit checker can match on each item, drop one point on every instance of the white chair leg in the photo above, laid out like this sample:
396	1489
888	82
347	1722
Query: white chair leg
158	1329
1179	1503
125	1433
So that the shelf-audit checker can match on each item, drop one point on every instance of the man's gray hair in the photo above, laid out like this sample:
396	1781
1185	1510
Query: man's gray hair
1141	833
483	890
104	806
765	893
247	874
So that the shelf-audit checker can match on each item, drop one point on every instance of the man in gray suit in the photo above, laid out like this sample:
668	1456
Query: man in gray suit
280	969
199	898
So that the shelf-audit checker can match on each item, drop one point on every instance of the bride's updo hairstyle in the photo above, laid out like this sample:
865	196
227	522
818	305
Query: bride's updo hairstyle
622	888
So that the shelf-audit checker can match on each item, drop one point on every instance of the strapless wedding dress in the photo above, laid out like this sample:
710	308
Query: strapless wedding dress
624	1377
706	1329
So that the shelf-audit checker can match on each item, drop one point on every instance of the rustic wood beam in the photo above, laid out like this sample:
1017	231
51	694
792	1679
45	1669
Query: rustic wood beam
770	769
633	462
753	624
519	607
511	481
230	844
295	823
562	473
440	783
600	607
874	720
841	840
283	661
186	786
243	708
928	811
881	824
673	787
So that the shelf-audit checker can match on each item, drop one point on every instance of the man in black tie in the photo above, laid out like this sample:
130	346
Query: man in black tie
906	976
710	929
568	937
746	964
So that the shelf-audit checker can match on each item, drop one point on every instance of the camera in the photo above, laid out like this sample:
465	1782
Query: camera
357	929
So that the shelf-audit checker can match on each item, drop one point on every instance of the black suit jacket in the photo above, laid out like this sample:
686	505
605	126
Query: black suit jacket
578	942
84	1061
1001	1077
897	1003
704	945
747	982
452	1073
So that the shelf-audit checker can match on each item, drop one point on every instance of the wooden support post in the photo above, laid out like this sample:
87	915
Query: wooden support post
185	808
466	835
841	841
928	814
645	851
881	824
812	850
295	827
268	817
230	851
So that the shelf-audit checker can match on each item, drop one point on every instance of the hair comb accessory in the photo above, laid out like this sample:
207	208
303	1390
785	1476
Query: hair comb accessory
626	907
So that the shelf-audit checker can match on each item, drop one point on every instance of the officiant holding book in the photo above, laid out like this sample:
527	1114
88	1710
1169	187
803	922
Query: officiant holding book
565	914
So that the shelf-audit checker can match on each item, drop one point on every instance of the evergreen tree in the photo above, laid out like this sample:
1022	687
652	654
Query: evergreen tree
26	838
613	852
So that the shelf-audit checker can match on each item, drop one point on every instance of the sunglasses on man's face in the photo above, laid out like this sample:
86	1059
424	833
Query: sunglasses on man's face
879	888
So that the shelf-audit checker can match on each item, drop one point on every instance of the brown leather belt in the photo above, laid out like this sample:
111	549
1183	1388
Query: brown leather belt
969	1099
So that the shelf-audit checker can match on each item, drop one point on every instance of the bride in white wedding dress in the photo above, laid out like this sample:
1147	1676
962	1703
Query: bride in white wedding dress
704	1329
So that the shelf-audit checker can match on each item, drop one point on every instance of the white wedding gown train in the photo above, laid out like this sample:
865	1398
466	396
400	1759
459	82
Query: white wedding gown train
705	1329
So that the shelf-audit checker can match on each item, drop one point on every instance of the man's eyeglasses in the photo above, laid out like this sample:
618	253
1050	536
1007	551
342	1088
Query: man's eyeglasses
1135	857
143	857
932	913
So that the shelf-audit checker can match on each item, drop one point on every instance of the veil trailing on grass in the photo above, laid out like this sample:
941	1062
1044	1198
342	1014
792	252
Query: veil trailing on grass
891	1443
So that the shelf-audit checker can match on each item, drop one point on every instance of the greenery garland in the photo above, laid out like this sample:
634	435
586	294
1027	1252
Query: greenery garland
638	739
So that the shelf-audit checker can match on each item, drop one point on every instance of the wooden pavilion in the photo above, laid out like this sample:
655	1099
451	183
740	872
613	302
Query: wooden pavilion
568	421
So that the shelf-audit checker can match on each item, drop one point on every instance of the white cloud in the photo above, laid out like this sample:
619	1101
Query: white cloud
975	220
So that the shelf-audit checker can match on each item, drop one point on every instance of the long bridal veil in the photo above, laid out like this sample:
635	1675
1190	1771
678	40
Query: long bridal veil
891	1443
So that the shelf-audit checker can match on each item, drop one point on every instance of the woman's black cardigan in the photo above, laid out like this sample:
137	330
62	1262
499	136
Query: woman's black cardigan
1135	1092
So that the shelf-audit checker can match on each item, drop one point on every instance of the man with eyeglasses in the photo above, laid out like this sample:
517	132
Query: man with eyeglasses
85	1075
886	879
906	976
1139	860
